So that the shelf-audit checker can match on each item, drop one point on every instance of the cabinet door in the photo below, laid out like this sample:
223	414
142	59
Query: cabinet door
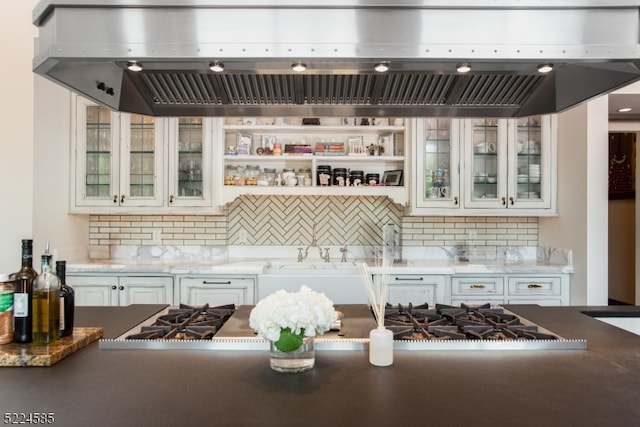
436	160
485	170
530	163
94	290
141	165
216	291
190	159
145	290
95	155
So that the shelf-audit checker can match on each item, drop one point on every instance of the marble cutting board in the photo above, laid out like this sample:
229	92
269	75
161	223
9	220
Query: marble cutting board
14	354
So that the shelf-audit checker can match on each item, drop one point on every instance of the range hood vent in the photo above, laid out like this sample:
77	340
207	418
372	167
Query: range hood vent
85	45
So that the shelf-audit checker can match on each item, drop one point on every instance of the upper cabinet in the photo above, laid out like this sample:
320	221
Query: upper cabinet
132	163
325	156
492	166
116	158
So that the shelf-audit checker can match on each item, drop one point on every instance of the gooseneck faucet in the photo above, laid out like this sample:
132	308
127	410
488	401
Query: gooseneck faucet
314	244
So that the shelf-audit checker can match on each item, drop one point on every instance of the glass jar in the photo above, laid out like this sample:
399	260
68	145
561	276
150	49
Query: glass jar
289	177
271	176
304	177
372	178
231	175
250	174
356	178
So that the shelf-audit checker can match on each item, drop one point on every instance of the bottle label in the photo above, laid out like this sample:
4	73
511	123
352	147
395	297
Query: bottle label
21	305
62	326
6	301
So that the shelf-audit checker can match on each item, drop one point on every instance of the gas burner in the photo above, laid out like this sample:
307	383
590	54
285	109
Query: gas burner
186	323
445	322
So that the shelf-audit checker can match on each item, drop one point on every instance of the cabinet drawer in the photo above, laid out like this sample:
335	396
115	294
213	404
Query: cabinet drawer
217	281
532	285
477	286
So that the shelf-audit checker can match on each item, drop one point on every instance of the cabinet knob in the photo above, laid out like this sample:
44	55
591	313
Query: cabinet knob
504	201
455	200
511	200
121	288
170	198
534	286
122	197
114	287
115	198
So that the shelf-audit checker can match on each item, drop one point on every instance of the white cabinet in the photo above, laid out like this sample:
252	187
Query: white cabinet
125	163
96	290
416	289
117	159
485	166
508	164
286	144
436	164
542	289
190	180
216	290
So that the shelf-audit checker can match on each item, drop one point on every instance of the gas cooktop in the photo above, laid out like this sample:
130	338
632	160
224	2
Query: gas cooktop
421	327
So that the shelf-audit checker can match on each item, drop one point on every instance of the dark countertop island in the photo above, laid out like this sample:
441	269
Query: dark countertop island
93	387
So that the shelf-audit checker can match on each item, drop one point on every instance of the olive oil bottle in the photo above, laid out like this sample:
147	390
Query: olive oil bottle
46	303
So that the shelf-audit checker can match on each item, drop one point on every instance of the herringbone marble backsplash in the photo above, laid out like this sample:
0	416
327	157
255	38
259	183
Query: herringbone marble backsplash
289	220
284	221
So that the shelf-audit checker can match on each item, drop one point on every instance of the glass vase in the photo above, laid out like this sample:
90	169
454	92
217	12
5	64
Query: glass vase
299	360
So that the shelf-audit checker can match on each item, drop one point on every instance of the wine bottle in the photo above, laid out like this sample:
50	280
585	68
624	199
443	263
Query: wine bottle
67	300
23	296
46	303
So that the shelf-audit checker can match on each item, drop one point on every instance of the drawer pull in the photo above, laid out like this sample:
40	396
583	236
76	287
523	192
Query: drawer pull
477	286
534	286
404	279
209	282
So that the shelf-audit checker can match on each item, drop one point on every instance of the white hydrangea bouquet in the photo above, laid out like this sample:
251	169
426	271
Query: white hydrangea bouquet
285	318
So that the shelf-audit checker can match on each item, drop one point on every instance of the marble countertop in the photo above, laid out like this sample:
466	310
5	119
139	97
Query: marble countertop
258	266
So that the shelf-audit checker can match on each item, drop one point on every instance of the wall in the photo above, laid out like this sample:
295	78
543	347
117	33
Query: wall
582	199
288	221
16	131
622	250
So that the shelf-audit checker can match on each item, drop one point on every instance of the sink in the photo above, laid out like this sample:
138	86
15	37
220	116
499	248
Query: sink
339	281
629	320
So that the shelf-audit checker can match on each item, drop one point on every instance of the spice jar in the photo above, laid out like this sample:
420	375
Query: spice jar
304	177
372	178
6	309
231	175
356	178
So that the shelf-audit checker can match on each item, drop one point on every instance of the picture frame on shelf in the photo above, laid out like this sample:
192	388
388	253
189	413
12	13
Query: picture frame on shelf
392	177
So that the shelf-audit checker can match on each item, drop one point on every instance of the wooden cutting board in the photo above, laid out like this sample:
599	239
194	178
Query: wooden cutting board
15	354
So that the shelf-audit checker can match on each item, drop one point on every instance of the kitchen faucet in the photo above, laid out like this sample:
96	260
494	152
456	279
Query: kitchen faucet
314	244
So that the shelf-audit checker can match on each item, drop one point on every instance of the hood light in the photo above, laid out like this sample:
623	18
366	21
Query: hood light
216	66
298	67
381	67
134	66
545	68
463	67
624	109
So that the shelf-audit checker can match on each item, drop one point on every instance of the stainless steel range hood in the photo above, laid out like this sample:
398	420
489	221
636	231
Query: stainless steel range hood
85	45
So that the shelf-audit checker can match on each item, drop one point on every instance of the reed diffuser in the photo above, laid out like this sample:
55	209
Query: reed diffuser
380	339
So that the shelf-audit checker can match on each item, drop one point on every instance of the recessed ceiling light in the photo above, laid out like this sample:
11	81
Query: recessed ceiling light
545	68
298	67
624	109
216	66
134	66
381	67
463	67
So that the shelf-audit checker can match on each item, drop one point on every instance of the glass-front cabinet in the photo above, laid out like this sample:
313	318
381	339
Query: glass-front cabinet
118	158
190	159
505	166
436	159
